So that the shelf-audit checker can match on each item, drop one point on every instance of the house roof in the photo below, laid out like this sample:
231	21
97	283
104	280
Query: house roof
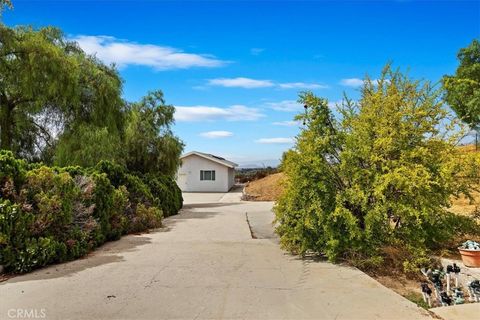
211	157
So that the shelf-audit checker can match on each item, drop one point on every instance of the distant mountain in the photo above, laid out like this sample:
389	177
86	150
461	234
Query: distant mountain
259	164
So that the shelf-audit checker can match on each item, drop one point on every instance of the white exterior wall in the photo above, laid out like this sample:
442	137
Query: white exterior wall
188	176
231	178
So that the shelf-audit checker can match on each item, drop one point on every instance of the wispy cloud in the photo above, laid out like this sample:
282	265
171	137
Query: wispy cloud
302	85
285	105
256	51
357	82
286	123
216	134
249	83
352	82
240	82
208	113
275	140
292	106
335	104
124	53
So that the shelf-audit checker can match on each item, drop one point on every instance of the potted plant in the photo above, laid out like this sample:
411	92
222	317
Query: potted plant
470	252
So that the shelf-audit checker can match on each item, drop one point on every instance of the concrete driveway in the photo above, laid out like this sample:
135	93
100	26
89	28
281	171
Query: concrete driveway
204	264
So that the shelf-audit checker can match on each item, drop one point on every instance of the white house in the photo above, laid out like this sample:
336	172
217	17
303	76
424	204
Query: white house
203	172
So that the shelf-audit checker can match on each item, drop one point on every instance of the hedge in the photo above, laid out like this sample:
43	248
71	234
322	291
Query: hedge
52	214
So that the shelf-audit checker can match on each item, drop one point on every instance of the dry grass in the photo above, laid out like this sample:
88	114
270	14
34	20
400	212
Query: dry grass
266	189
464	206
401	285
468	148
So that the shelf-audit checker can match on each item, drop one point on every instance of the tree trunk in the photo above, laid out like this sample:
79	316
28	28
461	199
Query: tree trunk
6	125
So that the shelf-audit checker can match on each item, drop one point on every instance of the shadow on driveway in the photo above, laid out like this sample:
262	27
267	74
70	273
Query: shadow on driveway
108	253
210	205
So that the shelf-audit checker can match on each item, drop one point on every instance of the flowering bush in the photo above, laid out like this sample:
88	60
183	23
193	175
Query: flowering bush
51	214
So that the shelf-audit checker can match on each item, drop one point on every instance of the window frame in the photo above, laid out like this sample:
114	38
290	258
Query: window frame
203	176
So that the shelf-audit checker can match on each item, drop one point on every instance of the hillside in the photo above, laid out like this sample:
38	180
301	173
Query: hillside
463	205
266	189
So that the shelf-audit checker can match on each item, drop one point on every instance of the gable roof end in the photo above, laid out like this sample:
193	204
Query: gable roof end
211	157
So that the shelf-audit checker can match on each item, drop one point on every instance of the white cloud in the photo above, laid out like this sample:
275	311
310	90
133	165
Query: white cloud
207	113
256	51
124	53
356	82
216	134
352	82
286	123
335	104
285	105
275	141
293	106
240	82
302	85
249	83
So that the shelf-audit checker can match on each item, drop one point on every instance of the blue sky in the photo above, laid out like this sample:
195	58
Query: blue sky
234	69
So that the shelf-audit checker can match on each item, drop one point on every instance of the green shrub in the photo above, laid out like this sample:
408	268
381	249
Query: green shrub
138	191
80	241
382	174
102	198
167	193
115	172
151	189
146	218
14	233
12	171
73	170
20	251
37	252
118	220
50	215
51	197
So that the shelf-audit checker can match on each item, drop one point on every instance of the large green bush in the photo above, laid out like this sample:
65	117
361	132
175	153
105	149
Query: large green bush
166	191
151	189
11	169
52	214
382	173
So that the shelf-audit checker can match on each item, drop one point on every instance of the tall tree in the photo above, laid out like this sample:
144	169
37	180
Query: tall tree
463	88
38	73
48	88
94	128
149	142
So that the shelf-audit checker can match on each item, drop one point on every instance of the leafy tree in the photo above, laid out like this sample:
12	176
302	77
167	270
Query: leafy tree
48	87
94	128
150	144
3	4
381	174
463	88
37	74
86	145
61	106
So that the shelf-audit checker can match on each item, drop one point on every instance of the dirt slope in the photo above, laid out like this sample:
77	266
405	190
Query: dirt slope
266	189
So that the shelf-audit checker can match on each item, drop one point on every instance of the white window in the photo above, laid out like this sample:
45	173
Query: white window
207	175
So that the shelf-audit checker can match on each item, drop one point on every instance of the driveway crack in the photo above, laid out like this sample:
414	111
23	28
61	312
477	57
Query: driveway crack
250	227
